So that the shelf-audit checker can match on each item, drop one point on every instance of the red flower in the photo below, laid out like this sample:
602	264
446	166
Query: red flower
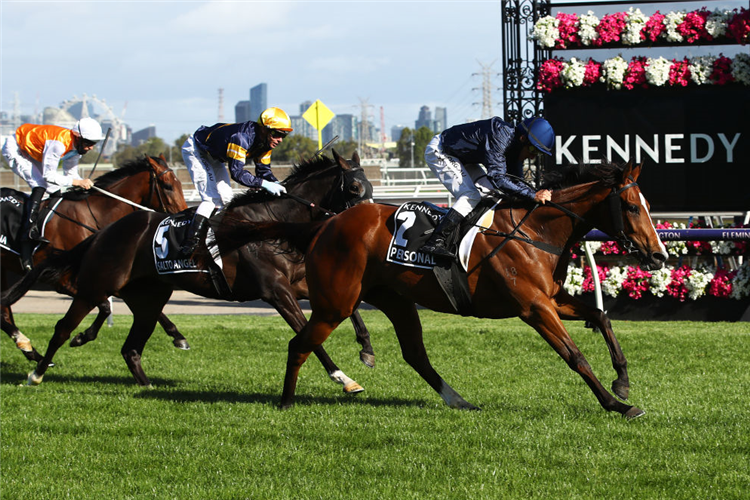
679	73
676	287
722	71
635	76
637	282
739	25
721	285
610	28
592	73
693	27
568	29
654	27
549	75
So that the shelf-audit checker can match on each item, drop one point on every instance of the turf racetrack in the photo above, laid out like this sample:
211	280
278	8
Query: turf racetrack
210	429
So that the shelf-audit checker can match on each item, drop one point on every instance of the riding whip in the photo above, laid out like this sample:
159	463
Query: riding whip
101	150
325	146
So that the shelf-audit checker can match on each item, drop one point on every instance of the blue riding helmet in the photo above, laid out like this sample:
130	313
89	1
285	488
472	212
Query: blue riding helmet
540	134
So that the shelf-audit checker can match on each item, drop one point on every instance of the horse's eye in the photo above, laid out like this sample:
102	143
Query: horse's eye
633	209
168	187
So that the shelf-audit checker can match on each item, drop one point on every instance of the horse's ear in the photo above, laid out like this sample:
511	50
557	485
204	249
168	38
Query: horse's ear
626	172
636	171
161	155
342	162
355	158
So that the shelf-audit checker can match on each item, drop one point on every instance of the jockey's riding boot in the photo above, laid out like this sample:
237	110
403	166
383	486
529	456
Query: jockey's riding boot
35	202
437	244
30	234
196	232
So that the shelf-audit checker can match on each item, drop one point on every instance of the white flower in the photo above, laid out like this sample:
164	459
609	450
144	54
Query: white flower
671	20
659	281
741	68
716	23
574	281
587	28
701	68
613	282
546	31
613	72
635	23
572	73
697	282
657	71
721	247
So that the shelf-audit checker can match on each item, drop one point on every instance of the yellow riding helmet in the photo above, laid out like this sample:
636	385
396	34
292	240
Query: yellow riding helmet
276	119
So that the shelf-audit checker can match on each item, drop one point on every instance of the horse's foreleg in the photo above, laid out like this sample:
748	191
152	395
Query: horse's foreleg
405	318
546	321
93	331
569	307
8	325
366	354
76	312
289	309
178	339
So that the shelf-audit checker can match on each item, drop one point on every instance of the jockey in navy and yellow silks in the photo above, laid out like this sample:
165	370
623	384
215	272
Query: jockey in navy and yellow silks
213	154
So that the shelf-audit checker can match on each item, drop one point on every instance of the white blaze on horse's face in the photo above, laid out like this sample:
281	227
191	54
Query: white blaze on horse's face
648	214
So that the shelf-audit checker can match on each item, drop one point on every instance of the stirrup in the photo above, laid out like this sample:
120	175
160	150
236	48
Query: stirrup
36	235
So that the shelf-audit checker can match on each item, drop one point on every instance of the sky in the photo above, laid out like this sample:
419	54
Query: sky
162	62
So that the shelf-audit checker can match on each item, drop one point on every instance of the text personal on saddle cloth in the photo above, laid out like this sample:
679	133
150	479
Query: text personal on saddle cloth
412	224
166	245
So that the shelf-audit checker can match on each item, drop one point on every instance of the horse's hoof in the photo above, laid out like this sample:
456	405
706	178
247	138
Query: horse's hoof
367	359
621	390
77	341
353	388
181	344
285	406
34	379
633	413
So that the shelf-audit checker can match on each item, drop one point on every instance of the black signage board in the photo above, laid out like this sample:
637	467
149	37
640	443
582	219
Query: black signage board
694	142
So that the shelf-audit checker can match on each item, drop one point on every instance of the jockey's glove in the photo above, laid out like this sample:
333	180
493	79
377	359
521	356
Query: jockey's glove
273	187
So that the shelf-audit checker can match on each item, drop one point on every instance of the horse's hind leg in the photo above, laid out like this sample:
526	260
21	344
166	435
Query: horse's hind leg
405	318
93	331
546	321
146	303
76	312
289	309
568	307
366	354
8	325
170	328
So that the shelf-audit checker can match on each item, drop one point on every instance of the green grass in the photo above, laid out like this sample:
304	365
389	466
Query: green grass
210	429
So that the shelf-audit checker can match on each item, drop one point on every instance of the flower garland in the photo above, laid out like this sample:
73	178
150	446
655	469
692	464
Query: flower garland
566	31
681	282
617	73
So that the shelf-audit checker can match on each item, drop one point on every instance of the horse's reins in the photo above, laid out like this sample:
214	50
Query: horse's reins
154	182
328	213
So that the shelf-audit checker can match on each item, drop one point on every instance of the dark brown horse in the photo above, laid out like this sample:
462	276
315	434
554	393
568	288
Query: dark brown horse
148	182
119	260
518	275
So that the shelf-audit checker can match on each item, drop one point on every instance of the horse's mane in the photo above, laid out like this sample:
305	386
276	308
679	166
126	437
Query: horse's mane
105	181
607	173
299	173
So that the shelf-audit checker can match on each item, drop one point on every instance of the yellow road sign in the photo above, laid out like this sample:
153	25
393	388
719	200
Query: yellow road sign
318	115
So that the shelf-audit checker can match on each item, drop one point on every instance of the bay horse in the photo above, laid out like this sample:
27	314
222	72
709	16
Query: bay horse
148	182
119	260
517	267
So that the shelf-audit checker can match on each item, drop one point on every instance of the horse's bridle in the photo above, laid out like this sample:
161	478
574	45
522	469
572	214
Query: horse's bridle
153	185
343	180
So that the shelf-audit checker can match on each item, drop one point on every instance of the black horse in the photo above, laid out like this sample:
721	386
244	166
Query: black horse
119	261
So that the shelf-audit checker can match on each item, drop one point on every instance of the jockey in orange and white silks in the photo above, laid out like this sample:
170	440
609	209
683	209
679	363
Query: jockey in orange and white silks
454	157
211	151
34	153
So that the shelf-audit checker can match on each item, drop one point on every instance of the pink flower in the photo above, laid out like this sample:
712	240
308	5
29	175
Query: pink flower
588	281
592	73
739	25
721	285
637	282
676	287
679	73
549	75
635	76
610	28
611	248
722	71
693	27
568	29
653	28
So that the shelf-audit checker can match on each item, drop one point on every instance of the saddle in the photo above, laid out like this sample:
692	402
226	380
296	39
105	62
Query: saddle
168	260
14	210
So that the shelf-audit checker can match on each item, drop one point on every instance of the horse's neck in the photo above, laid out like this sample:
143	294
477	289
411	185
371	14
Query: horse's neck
106	209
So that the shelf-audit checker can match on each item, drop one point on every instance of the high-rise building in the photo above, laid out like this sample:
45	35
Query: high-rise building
396	132
344	126
258	100
425	119
302	126
142	136
441	120
242	112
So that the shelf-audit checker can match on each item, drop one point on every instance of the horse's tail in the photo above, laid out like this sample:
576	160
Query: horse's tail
58	265
234	233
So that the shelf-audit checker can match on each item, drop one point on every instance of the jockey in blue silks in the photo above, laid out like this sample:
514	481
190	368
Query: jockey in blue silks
455	154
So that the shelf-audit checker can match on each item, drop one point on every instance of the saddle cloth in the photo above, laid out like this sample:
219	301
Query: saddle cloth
13	210
413	224
167	241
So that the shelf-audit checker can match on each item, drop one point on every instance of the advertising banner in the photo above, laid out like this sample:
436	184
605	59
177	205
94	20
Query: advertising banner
694	142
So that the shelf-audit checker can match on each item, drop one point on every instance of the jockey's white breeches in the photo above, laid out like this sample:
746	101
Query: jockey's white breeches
210	178
463	181
28	169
